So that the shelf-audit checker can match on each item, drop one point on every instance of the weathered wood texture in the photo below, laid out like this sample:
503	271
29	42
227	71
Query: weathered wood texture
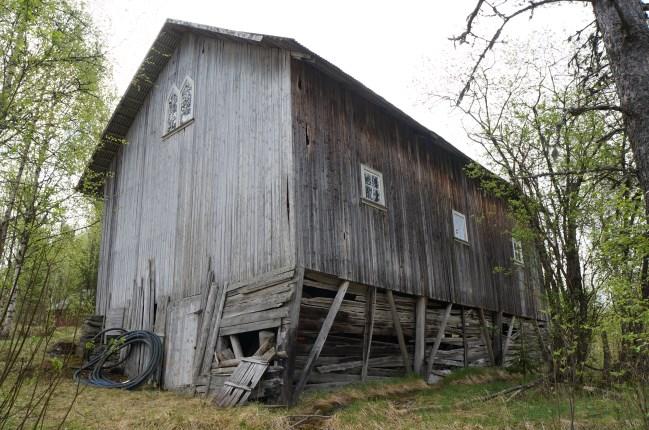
263	303
341	359
409	247
220	187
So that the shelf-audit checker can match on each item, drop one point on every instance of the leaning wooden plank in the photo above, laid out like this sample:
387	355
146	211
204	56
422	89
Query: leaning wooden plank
508	339
245	378
370	305
215	328
204	328
485	337
420	334
397	328
322	337
438	339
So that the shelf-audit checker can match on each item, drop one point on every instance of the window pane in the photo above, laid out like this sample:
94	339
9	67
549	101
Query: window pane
459	226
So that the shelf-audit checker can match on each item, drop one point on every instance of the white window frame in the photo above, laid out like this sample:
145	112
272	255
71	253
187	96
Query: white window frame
461	216
517	251
381	188
182	119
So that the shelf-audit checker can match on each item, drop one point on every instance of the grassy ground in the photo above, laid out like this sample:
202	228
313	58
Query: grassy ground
459	402
406	403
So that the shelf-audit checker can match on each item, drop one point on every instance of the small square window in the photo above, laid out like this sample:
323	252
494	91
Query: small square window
459	226
372	186
517	248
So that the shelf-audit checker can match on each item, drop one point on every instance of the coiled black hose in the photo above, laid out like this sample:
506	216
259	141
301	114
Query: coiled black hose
96	365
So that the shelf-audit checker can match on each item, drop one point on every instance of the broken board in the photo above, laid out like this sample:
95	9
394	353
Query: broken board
244	379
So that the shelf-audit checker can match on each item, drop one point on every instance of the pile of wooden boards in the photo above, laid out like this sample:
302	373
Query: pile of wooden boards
236	320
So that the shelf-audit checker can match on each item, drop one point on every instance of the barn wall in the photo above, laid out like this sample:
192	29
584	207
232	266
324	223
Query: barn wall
409	247
219	189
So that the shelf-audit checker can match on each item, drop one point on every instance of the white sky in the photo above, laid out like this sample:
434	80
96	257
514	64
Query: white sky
396	48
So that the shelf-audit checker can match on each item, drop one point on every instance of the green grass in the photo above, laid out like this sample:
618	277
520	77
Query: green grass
405	403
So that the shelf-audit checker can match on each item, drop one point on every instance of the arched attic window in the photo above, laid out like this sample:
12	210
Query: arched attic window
172	110
187	100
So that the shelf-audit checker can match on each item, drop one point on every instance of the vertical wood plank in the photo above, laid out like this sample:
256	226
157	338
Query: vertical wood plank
236	346
370	305
291	339
508	339
465	343
420	334
486	338
498	339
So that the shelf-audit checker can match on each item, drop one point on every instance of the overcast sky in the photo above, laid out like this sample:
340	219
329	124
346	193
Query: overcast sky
396	48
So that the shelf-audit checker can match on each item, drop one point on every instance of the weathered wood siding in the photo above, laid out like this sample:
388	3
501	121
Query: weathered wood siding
409	247
218	189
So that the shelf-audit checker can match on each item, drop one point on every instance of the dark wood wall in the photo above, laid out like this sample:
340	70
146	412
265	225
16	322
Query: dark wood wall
408	247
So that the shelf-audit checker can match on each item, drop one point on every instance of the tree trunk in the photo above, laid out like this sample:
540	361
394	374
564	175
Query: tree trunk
623	25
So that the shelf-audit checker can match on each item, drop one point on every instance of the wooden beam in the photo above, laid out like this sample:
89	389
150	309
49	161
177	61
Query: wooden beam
485	336
322	337
214	331
236	346
508	339
547	357
438	339
498	339
465	343
420	334
291	338
370	305
396	322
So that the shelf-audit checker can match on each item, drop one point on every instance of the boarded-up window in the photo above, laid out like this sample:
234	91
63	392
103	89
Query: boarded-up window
459	226
517	248
372	186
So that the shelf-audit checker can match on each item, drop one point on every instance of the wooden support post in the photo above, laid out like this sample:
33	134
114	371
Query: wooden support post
508	339
291	339
465	344
438	339
322	337
497	340
236	346
420	334
396	322
486	338
370	305
547	356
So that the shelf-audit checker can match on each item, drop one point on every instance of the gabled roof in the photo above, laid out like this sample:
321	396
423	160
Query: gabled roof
162	50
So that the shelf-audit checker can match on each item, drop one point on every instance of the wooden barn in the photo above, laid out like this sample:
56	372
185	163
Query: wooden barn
272	218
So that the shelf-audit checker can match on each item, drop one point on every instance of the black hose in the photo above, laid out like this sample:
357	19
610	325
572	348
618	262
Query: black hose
125	341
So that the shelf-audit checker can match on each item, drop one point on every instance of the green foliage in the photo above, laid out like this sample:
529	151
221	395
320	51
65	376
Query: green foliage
53	107
573	194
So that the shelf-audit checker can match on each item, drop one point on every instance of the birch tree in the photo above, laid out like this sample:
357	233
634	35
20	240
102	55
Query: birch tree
52	109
